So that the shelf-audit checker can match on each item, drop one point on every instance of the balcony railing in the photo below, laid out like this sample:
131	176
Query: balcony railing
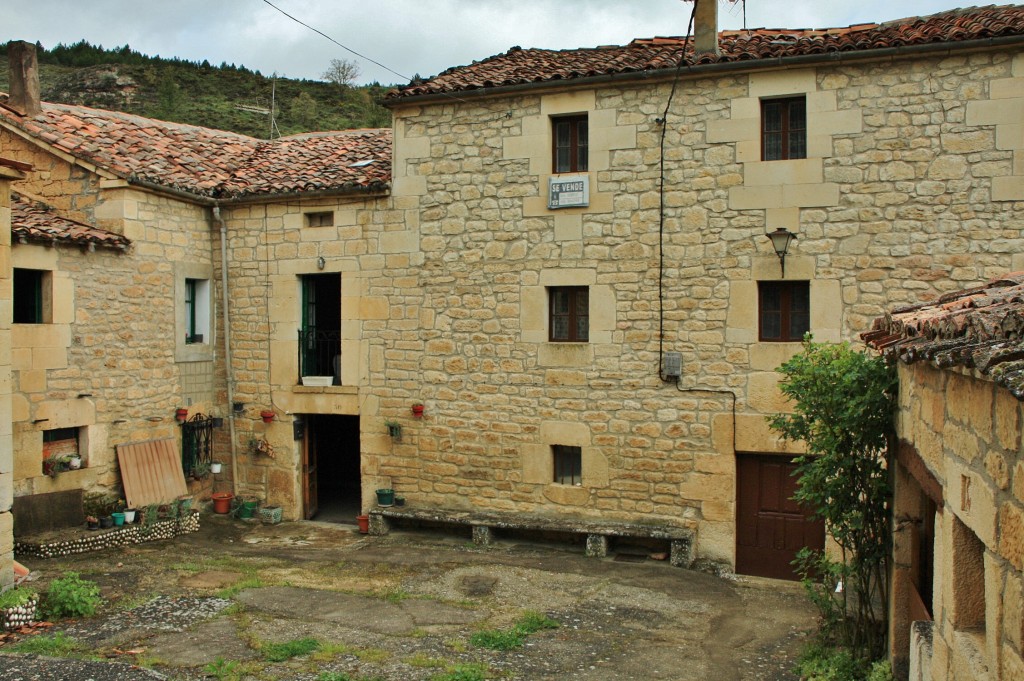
320	354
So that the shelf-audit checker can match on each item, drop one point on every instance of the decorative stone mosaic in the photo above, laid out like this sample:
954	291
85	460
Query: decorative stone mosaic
106	539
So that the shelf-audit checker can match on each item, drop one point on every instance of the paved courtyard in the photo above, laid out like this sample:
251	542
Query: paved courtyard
405	606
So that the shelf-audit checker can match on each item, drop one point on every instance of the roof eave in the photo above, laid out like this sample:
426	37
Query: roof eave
902	51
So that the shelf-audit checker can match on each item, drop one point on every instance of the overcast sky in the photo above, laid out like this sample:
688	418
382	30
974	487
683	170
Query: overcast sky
407	36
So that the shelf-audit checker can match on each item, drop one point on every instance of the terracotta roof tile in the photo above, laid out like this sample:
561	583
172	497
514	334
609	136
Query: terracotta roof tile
980	328
207	162
35	221
518	66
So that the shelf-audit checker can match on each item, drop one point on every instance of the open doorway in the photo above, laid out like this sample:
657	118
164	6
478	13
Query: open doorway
331	468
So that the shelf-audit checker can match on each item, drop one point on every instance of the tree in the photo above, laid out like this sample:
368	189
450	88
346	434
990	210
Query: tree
302	112
843	411
342	72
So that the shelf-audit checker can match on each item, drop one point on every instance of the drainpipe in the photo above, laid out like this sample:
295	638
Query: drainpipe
230	374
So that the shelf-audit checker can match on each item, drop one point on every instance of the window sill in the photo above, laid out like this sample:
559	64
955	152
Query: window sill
329	389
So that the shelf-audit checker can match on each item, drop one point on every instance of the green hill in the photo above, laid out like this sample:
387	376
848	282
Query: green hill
226	97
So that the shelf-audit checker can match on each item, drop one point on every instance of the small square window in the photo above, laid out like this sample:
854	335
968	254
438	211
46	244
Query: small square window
320	219
784	309
568	465
31	296
569	144
569	308
783	128
60	450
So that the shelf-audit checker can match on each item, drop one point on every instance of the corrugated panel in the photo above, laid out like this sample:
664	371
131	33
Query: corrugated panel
151	472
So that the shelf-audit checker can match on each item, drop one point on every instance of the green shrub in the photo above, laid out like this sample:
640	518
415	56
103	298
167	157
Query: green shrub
18	596
71	596
880	671
279	652
224	670
463	672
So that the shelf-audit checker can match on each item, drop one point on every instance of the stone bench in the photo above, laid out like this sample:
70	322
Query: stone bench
598	532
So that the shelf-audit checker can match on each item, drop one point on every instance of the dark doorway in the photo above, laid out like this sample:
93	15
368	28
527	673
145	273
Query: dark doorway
770	527
331	468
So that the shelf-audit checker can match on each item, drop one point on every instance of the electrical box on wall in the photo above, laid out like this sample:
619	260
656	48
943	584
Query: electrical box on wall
671	365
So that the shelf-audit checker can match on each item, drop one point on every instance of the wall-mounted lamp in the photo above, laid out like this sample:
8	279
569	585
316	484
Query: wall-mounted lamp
320	262
781	239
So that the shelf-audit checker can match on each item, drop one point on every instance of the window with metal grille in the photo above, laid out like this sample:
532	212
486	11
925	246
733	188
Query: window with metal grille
569	144
568	464
784	308
196	442
569	308
320	219
783	128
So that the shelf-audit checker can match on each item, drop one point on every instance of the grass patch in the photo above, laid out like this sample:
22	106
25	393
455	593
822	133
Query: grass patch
253	582
463	672
328	651
57	645
280	652
372	655
225	670
425	661
510	639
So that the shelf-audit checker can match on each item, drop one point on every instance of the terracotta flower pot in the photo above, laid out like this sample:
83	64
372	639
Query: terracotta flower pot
364	523
222	502
267	416
417	411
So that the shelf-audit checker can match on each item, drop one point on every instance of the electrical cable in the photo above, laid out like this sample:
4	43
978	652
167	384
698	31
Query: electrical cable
661	195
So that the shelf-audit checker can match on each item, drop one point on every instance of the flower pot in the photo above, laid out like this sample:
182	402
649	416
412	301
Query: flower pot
267	416
215	467
271	515
106	522
417	411
129	516
75	462
364	523
181	414
118	518
222	502
399	501
385	497
93	524
247	509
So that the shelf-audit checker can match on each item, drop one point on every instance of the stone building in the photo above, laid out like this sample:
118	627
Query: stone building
957	610
561	255
599	313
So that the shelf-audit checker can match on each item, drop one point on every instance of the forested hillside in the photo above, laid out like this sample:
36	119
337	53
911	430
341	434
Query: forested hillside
227	96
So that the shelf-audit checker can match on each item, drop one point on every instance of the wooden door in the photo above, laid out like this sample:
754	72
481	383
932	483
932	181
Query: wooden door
309	470
770	527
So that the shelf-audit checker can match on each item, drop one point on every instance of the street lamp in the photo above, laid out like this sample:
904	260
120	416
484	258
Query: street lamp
781	239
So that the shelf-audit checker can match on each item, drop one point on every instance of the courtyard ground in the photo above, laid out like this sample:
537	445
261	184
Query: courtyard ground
406	607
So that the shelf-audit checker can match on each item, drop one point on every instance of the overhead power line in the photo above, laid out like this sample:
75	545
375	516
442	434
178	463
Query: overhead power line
344	47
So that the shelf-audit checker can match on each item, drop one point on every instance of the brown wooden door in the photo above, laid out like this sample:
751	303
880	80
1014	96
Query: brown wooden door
770	526
309	472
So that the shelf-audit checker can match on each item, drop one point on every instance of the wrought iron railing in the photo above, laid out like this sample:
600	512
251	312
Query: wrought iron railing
320	353
196	442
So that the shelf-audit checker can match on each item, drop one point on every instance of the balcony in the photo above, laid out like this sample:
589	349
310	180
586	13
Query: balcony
319	357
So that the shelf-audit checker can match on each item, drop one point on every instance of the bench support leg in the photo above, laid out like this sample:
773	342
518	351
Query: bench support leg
379	525
482	535
597	545
682	553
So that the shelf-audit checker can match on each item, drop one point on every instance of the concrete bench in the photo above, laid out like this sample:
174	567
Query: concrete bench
598	532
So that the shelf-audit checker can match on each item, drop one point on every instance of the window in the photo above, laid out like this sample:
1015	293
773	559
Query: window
784	309
568	465
322	219
569	144
570	314
197	310
783	128
31	297
60	450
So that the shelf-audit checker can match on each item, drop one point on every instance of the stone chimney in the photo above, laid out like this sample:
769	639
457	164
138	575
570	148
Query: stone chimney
705	22
24	78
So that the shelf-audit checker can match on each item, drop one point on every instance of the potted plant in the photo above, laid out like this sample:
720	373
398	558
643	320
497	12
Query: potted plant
394	429
417	410
200	470
92	522
261	446
385	496
106	522
215	467
17	608
74	462
129	516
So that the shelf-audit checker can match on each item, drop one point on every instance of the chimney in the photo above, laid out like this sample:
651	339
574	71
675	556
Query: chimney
705	21
24	78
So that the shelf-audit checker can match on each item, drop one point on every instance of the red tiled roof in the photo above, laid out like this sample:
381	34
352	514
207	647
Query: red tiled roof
207	162
519	66
34	221
980	328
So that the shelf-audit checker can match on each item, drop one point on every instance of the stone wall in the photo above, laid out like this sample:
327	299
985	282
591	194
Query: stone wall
894	205
967	433
7	175
109	360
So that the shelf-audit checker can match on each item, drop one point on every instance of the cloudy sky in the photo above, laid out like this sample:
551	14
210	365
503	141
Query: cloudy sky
407	36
